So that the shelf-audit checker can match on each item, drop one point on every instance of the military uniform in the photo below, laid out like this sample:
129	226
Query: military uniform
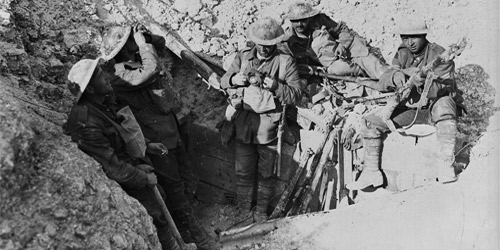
142	86
440	110
359	60
443	93
94	128
256	133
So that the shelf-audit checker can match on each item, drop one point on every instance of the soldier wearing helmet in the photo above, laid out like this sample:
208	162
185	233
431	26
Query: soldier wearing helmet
441	110
268	80
315	39
141	84
114	139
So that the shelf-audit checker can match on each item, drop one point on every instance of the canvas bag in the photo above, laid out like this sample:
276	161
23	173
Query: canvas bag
257	99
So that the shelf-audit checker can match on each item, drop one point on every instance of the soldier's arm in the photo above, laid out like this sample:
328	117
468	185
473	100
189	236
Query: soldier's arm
397	61
339	31
291	91
92	141
149	67
225	82
158	43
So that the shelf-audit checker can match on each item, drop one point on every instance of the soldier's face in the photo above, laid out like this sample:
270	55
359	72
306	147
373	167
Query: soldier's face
265	50
100	83
300	26
415	43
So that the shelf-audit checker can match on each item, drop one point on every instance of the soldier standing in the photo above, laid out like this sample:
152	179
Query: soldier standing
140	84
114	139
269	80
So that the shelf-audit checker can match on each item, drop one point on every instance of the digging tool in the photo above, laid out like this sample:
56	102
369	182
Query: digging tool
170	221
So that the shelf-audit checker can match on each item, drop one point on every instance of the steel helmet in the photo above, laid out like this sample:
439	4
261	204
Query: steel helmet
301	10
266	31
113	41
81	73
413	27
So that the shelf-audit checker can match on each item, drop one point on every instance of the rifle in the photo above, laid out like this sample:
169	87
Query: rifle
305	69
403	93
277	167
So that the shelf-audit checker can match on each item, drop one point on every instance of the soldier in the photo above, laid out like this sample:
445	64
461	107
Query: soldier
441	111
315	39
114	139
270	80
140	84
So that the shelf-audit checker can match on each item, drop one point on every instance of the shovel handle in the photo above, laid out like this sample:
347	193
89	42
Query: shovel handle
169	218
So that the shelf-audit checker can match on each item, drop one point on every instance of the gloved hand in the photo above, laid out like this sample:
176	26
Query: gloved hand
239	80
138	31
152	179
340	51
270	83
157	148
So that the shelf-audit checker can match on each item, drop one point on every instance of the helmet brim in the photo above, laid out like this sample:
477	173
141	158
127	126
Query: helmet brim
259	41
297	17
414	32
75	76
118	46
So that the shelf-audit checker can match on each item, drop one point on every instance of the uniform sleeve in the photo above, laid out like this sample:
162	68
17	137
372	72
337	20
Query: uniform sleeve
339	31
92	141
158	43
233	70
149	67
291	91
397	61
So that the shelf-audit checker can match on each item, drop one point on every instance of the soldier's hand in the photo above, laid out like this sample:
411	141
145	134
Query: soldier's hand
270	83
239	80
139	34
152	179
157	148
347	135
340	51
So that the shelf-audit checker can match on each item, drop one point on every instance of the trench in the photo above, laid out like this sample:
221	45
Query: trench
47	37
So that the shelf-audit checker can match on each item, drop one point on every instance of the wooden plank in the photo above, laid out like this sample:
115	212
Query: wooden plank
215	171
213	194
329	196
207	141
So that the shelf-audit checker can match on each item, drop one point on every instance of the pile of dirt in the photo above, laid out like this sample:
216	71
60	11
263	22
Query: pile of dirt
52	194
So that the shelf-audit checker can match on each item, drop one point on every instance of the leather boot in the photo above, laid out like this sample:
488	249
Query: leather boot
446	132
371	175
264	193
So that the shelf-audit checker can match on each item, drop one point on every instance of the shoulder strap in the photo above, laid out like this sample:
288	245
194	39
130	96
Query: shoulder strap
82	115
244	64
282	68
